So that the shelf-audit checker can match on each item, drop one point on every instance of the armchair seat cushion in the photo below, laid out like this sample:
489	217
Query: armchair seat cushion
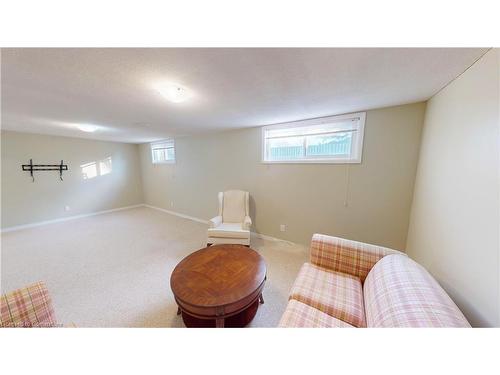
336	294
300	315
229	230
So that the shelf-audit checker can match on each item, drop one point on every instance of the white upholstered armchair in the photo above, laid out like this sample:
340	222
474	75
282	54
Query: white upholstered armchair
232	224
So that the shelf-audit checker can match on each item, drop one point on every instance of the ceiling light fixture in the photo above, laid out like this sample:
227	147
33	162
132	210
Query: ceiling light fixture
174	93
88	128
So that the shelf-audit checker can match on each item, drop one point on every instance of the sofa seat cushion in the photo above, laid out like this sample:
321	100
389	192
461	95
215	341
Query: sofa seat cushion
229	230
399	292
27	307
334	293
300	315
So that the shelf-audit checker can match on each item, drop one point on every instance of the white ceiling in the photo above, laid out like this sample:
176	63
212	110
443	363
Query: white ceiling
50	91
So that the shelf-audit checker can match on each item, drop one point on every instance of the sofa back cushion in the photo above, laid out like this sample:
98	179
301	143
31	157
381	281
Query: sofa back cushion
399	292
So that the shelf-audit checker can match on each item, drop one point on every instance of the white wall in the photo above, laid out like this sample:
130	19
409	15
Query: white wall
308	198
454	227
25	202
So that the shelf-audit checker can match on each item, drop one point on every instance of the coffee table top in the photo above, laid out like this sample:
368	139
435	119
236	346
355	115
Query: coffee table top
218	275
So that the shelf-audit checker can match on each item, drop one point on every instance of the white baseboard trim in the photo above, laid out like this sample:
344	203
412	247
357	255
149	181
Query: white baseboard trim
270	238
178	214
68	218
258	235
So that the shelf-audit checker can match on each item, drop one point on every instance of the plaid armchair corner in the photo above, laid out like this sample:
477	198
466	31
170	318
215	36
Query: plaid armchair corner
30	306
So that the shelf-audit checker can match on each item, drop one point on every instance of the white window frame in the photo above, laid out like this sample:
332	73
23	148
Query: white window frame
356	155
163	142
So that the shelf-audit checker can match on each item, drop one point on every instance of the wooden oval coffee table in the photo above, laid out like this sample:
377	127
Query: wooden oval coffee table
219	286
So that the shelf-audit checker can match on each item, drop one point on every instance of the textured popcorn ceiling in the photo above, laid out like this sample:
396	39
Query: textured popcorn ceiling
51	91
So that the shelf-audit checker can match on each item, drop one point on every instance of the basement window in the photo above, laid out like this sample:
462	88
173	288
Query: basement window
335	139
163	151
97	168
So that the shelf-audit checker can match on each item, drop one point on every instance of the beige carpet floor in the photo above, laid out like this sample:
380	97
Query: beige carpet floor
113	270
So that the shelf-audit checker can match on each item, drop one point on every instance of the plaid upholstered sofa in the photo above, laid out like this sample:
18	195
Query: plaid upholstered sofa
27	307
353	284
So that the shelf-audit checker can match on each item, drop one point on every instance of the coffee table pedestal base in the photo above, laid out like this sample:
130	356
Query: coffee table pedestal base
239	320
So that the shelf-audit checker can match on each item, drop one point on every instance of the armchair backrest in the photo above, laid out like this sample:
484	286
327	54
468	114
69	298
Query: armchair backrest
233	206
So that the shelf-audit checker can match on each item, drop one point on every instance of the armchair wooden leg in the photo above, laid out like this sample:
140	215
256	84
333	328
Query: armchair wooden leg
178	311
261	299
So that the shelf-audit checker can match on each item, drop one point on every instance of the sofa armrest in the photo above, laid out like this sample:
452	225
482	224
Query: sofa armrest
215	221
247	223
346	256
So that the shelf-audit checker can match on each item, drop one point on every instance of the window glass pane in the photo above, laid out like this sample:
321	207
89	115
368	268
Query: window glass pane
170	154
163	151
329	145
336	139
157	155
162	154
105	166
285	148
89	170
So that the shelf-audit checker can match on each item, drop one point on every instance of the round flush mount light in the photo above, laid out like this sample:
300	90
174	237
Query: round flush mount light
87	128
174	93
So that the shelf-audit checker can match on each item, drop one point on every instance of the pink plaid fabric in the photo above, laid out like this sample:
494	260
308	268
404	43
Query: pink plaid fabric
336	294
401	293
27	307
300	315
346	256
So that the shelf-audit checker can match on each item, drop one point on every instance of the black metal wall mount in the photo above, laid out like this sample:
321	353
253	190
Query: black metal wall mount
45	167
